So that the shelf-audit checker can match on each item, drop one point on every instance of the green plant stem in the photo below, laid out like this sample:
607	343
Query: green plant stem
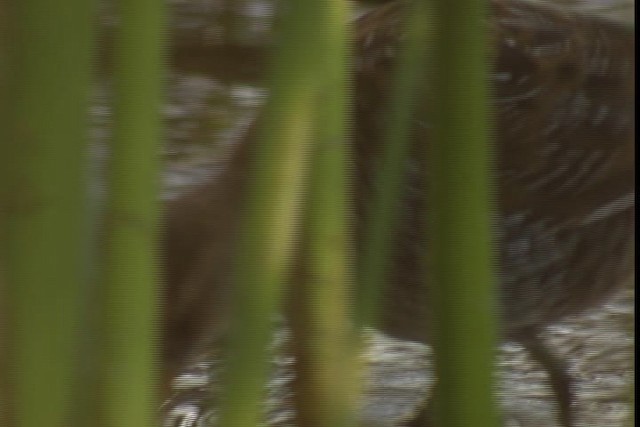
463	294
132	214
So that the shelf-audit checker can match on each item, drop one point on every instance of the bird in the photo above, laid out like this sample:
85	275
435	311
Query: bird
563	110
563	106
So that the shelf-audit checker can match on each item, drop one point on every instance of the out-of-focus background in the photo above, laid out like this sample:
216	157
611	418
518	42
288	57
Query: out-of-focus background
218	54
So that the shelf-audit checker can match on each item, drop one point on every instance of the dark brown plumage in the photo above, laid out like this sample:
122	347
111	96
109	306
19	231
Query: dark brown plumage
564	108
564	105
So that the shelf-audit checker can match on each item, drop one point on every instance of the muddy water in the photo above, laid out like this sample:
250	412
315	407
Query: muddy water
208	108
598	346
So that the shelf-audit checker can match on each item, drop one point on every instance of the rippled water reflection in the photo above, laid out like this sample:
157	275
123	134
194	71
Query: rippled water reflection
598	346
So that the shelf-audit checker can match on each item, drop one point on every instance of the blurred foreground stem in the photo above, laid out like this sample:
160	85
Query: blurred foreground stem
460	159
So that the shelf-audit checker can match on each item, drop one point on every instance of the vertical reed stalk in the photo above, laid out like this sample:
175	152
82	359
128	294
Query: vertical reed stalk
43	134
272	210
324	340
407	92
131	232
460	160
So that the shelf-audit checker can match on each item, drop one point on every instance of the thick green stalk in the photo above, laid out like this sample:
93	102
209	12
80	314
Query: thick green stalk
272	210
327	377
463	295
43	140
131	226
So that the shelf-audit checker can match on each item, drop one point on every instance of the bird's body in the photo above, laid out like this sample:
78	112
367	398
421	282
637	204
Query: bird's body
564	116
